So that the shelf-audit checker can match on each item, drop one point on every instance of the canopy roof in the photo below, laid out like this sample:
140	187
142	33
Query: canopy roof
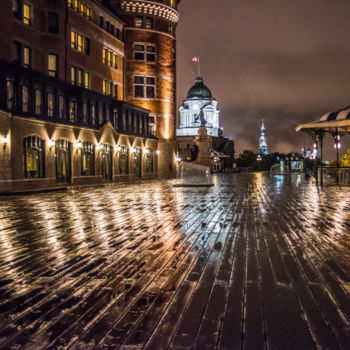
333	122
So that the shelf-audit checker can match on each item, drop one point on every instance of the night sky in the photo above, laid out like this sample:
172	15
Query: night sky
287	62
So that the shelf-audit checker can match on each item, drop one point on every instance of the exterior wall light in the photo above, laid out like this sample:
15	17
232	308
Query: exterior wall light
79	144
133	150
178	159
100	146
146	151
157	151
118	148
51	144
5	141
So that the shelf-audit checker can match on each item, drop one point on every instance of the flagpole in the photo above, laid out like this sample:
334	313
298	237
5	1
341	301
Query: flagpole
199	68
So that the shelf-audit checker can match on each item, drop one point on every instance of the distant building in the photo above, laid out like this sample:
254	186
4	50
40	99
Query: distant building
199	101
263	150
199	135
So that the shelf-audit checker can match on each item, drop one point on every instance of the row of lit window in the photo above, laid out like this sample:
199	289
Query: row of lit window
79	42
80	78
147	23
80	8
109	58
144	87
109	89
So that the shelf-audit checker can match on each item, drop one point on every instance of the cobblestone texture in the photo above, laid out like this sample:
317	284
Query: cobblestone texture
252	263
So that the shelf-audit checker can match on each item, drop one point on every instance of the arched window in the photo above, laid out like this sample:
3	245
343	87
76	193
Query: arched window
107	152
124	160
33	156
87	159
63	161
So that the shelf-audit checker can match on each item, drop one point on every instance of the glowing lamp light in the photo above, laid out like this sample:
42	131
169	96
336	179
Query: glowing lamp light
146	151
79	144
118	148
337	145
157	151
5	141
51	143
100	146
133	150
177	159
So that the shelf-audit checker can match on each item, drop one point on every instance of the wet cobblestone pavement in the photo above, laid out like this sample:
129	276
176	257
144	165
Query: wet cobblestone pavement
252	263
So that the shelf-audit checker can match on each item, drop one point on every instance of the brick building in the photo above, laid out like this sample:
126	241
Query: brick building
77	103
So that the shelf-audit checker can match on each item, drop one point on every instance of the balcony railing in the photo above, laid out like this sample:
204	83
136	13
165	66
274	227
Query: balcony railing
333	176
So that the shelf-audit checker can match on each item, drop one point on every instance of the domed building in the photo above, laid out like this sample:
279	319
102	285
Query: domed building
199	108
199	135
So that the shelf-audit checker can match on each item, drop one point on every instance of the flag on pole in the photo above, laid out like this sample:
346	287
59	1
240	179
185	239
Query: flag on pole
195	59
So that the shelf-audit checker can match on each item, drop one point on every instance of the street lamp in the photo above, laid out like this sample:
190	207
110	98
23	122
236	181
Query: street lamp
5	141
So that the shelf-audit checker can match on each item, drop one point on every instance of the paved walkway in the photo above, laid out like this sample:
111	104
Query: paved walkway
252	263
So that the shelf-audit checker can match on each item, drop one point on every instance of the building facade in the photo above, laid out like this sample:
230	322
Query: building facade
199	108
66	113
199	135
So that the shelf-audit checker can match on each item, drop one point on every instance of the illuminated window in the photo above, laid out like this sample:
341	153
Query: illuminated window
34	156
70	3
52	65
138	22
172	3
104	55
104	87
27	14
87	80
110	89
27	57
76	5
80	43
50	104
109	61
82	9
80	77
73	75
149	23
171	29
88	12
73	39
87	159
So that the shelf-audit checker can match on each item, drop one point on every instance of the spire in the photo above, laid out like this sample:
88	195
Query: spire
262	142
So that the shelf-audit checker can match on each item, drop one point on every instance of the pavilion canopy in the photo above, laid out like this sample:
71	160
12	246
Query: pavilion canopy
332	122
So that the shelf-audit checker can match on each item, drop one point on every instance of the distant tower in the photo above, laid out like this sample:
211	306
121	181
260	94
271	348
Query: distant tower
263	143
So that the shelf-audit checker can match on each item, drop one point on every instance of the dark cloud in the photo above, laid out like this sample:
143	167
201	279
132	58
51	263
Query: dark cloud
284	61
